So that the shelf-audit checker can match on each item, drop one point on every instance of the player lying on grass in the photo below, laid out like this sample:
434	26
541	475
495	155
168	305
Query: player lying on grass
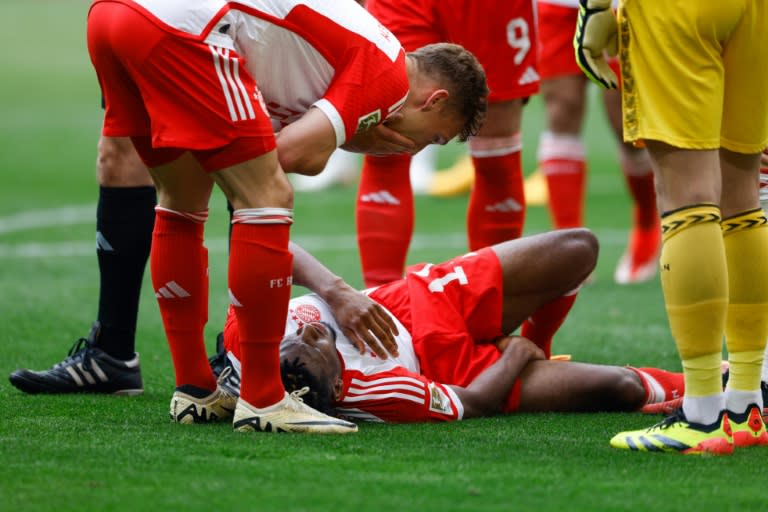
455	358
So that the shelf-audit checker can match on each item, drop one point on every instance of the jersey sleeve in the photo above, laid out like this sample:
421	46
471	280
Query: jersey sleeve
398	396
365	93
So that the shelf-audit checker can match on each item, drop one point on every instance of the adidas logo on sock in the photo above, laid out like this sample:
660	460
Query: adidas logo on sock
102	244
506	206
171	290
380	197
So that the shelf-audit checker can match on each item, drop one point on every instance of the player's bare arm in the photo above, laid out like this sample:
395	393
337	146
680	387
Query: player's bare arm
362	320
486	394
304	146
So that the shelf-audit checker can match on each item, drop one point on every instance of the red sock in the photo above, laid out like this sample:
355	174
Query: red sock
179	268
260	276
643	192
496	211
542	325
562	161
660	385
384	217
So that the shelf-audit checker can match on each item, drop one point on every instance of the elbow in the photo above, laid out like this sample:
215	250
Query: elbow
299	163
616	389
478	406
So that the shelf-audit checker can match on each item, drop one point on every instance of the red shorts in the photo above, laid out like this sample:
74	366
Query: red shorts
502	34
184	94
453	312
557	26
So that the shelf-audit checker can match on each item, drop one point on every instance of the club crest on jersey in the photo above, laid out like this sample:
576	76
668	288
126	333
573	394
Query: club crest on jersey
307	313
438	400
369	120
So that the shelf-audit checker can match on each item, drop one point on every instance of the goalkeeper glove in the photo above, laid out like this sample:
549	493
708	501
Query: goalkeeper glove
596	34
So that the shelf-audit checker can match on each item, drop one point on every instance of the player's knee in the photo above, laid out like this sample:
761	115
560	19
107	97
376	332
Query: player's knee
565	112
627	390
581	247
118	164
275	192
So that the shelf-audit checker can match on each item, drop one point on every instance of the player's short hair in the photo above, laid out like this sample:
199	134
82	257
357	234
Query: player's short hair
464	78
296	375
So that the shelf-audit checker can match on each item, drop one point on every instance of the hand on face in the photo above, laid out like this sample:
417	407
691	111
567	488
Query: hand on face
380	140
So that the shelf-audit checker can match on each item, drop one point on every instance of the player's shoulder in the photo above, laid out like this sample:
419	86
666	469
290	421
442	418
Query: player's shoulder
340	20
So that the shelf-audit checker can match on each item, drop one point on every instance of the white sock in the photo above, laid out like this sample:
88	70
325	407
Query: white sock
656	393
764	373
737	401
703	409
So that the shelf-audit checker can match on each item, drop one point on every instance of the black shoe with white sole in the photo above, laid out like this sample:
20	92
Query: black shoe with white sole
86	369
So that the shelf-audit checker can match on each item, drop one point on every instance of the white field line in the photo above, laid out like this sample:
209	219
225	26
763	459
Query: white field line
34	219
67	216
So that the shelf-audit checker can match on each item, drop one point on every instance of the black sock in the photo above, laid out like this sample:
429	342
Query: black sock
125	218
231	211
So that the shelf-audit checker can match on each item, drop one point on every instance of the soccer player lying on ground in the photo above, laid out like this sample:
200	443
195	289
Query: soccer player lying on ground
455	358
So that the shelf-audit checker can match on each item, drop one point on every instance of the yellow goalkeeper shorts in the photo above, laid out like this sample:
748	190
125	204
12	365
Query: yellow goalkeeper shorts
694	73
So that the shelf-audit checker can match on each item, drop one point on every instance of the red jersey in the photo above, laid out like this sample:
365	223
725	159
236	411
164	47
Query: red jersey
502	34
331	55
444	313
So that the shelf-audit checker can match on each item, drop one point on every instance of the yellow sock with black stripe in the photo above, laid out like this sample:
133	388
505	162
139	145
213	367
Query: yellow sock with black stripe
694	279
746	328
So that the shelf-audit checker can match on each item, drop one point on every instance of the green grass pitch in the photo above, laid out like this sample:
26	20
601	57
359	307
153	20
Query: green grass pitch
105	453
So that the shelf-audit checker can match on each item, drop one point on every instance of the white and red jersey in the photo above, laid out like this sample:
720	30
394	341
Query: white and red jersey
303	53
389	390
447	315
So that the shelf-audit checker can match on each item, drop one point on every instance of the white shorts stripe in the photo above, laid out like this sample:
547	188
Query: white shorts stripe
373	389
382	396
224	88
228	65
386	380
239	82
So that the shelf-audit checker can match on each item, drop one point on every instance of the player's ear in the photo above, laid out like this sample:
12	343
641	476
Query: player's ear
338	388
437	97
